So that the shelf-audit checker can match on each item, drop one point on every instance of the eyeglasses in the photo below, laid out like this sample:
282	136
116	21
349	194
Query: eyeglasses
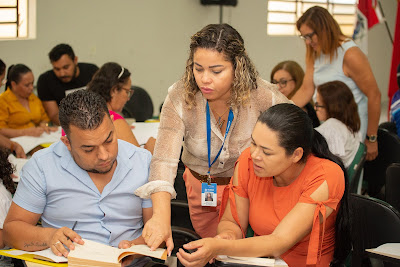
307	37
129	91
317	106
282	82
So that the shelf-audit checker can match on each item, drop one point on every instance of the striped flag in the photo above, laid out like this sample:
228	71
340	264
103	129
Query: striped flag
368	15
393	86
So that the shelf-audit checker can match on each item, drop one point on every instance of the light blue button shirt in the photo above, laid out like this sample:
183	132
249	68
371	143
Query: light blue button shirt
53	185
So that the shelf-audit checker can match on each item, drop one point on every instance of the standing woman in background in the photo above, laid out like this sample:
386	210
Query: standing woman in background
288	75
213	108
333	56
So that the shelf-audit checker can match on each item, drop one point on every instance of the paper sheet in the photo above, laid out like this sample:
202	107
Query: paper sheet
18	164
30	142
144	130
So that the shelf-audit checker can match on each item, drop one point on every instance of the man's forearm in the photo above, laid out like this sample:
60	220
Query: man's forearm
21	235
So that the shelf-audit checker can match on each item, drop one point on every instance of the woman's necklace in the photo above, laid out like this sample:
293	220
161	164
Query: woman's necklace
220	121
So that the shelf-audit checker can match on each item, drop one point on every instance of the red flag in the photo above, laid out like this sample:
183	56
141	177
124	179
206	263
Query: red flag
393	86
368	15
371	11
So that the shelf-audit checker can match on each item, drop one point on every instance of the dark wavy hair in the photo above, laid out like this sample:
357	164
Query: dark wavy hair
110	76
15	72
2	67
294	129
6	169
84	109
222	38
339	103
59	50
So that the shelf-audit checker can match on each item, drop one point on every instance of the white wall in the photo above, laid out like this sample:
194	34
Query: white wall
151	37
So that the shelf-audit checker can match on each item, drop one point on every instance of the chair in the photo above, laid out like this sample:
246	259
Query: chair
374	222
392	188
180	214
181	236
139	106
389	125
375	171
355	168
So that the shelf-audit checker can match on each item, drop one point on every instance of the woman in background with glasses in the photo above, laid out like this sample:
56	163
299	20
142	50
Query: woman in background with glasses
333	56
113	83
337	111
289	77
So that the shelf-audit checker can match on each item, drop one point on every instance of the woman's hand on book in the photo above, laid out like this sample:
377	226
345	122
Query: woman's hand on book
156	231
62	238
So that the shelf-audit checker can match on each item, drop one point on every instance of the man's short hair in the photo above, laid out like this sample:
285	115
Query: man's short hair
59	50
83	109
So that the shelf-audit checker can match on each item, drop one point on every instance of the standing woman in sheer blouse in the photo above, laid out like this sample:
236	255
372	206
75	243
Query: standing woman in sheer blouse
212	109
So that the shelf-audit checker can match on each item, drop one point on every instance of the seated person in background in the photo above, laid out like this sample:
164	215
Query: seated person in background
6	189
4	141
88	177
288	75
337	111
66	76
2	72
291	189
395	105
113	83
21	112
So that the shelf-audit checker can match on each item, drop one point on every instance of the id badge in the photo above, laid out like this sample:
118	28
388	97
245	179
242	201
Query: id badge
209	195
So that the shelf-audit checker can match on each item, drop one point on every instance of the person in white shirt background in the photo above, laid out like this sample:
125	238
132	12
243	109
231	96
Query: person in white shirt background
337	111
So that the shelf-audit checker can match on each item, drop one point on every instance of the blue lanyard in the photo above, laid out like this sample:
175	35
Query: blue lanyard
228	126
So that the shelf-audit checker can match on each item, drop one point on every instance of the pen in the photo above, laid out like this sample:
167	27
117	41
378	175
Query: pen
73	227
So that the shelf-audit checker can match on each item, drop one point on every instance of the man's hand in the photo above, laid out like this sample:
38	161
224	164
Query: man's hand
156	231
34	131
64	237
372	150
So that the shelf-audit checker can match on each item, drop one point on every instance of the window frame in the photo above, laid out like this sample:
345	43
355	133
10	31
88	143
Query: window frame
30	17
300	6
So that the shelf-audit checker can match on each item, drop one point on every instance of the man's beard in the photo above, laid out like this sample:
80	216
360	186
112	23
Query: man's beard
101	172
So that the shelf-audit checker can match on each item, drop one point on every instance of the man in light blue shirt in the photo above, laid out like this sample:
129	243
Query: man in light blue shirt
88	177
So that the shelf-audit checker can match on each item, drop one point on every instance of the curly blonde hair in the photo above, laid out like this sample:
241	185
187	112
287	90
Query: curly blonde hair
222	38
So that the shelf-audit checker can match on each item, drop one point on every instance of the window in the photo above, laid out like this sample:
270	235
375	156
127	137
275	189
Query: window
283	14
17	19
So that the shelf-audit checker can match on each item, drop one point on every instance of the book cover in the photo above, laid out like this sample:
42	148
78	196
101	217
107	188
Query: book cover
45	257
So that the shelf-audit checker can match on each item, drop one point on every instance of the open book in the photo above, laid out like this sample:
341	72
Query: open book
95	254
388	249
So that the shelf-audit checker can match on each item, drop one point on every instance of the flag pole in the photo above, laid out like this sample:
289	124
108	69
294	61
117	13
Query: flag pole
386	24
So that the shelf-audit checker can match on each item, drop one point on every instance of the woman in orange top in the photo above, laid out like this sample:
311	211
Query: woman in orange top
21	112
292	191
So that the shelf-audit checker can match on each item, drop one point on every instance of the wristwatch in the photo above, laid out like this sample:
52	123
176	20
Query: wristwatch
372	138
